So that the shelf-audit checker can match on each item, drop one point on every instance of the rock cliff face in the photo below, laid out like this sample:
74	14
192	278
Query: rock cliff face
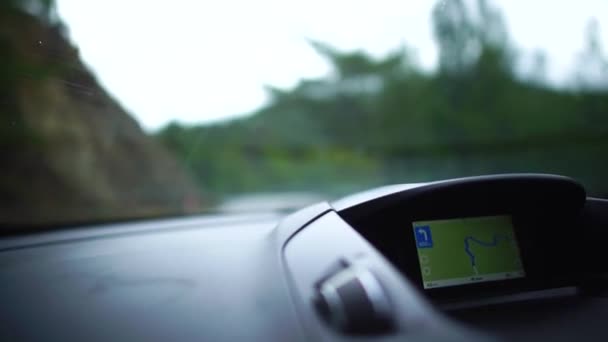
68	151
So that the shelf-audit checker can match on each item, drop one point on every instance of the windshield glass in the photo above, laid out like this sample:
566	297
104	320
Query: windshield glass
126	109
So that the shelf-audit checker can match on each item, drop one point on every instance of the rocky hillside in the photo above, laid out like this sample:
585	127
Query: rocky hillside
69	151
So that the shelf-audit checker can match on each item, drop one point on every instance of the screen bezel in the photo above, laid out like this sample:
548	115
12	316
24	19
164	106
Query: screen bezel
544	209
538	276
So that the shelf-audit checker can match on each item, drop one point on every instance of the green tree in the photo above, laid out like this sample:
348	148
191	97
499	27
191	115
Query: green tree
592	72
375	121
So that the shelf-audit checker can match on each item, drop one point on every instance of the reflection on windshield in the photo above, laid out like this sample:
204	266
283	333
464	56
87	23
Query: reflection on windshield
72	153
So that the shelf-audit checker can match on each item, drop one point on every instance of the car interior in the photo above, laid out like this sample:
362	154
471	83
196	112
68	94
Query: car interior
497	257
272	171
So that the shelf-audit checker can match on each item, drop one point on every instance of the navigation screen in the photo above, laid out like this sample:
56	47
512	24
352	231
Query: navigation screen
467	250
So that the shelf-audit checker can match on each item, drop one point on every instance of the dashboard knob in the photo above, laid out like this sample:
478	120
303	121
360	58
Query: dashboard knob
354	302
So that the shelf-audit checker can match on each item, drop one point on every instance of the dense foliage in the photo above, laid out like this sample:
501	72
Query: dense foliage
385	121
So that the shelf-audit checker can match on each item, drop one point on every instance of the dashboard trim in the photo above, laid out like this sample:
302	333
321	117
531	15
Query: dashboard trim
562	292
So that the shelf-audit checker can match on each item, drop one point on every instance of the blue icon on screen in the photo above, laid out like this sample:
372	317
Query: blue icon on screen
424	239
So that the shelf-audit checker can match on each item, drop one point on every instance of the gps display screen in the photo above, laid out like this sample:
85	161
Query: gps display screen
467	250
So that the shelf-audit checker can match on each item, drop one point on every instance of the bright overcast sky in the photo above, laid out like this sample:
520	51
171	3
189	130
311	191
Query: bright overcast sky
198	61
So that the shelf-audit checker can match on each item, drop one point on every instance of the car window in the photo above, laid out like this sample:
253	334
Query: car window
115	110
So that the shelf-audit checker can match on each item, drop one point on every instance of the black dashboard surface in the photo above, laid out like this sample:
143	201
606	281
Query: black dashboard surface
264	277
200	279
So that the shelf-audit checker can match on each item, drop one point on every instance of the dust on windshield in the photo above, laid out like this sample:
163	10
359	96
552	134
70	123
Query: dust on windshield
75	148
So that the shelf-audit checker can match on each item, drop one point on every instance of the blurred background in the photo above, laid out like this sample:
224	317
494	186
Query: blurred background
126	109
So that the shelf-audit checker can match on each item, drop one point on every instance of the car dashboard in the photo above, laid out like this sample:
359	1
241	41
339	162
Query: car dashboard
500	257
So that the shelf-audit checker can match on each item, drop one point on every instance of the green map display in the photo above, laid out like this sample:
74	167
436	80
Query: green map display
467	250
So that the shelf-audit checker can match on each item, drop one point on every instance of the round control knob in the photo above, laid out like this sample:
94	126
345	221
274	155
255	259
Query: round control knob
353	301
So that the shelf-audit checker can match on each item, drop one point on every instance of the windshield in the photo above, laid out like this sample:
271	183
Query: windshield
126	109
